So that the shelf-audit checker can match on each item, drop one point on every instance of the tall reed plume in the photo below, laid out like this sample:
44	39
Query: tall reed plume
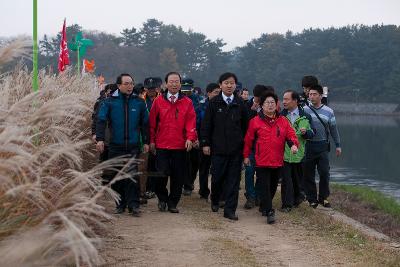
49	213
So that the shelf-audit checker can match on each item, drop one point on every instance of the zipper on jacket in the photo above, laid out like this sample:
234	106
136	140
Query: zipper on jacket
126	124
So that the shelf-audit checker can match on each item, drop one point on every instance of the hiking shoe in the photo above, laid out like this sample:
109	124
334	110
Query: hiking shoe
285	209
271	217
325	203
204	197
222	204
265	213
250	203
231	216
149	194
135	212
214	208
173	209
297	203
299	200
143	201
119	210
162	206
186	192
313	205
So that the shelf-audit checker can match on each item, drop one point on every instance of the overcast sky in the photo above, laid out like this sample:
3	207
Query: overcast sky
236	22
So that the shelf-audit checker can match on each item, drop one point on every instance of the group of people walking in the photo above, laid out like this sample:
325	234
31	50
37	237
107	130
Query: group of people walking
179	135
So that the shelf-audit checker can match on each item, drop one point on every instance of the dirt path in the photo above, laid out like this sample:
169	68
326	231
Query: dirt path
198	237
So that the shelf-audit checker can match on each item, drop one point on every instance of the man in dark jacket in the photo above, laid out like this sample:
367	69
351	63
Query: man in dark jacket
193	156
108	90
307	82
147	186
222	133
212	90
127	117
152	87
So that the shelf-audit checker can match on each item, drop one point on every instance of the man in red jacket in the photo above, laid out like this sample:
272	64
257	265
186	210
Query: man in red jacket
172	133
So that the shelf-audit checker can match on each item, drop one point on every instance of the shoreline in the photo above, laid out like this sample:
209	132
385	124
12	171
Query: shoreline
369	207
394	115
376	188
375	109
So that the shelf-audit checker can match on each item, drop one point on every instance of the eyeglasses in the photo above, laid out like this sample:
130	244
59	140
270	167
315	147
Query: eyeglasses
128	83
174	82
269	103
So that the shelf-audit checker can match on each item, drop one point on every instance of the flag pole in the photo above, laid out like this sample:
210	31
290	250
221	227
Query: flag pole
79	59
35	84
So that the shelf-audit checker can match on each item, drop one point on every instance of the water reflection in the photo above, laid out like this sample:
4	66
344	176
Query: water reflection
370	153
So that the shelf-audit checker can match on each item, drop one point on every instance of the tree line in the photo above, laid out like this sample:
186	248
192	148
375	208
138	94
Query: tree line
356	62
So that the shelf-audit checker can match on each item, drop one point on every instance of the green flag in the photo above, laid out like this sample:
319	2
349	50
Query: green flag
80	46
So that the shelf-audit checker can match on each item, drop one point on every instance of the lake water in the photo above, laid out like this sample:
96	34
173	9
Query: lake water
371	153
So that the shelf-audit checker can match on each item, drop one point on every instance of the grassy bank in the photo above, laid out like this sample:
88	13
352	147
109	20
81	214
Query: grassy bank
369	207
375	198
365	251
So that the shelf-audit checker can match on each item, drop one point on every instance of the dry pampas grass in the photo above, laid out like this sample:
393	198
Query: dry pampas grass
48	196
14	49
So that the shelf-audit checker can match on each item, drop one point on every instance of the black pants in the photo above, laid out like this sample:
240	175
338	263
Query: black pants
170	163
268	182
321	162
204	171
226	172
107	175
193	162
128	189
152	171
104	154
292	184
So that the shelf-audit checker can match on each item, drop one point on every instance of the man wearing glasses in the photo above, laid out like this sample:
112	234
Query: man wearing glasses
127	116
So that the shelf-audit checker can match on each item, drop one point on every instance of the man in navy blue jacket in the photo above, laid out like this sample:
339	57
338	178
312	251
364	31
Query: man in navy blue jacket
193	156
212	90
127	117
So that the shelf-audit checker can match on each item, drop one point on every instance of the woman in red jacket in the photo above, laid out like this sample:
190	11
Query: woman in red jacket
268	132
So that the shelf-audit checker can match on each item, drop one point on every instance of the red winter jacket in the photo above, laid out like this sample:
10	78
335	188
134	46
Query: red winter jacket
171	124
269	139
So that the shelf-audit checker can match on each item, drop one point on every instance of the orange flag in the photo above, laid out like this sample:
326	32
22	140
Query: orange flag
89	65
